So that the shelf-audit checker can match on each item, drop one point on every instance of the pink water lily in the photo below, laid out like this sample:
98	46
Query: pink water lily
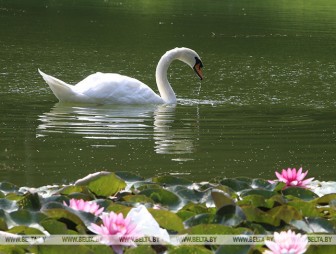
85	206
138	222
287	243
114	225
293	178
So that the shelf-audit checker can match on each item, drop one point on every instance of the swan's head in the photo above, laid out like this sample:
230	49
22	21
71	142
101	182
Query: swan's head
191	58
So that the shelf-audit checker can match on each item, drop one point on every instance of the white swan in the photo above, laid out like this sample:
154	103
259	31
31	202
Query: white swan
111	88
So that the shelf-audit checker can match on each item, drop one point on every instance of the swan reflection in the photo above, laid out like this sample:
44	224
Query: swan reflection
124	122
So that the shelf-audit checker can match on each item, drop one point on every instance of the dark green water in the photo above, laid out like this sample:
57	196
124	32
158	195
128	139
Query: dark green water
267	102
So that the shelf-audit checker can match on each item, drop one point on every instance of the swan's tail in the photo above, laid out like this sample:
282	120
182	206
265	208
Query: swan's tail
63	91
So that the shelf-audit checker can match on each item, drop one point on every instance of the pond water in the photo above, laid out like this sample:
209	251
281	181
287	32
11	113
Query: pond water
267	102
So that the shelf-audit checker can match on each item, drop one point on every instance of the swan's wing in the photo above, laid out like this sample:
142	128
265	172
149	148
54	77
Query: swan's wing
114	88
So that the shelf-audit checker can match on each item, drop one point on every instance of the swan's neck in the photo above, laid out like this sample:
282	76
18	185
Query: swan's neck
165	89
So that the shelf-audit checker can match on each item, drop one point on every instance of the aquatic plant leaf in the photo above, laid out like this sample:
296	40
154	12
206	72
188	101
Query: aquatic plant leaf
171	180
285	213
103	184
189	250
141	249
54	226
306	209
138	199
257	201
24	230
236	184
203	218
315	225
64	249
326	199
233	249
221	198
12	249
7	187
254	214
167	219
321	249
26	217
8	205
261	192
162	196
29	201
301	193
185	193
71	219
215	229
128	176
101	249
230	215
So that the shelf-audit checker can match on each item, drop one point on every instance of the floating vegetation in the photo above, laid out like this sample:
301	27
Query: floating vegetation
231	206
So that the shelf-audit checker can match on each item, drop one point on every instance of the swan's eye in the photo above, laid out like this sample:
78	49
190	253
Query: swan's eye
198	68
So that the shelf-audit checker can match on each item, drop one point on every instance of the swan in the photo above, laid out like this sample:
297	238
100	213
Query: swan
112	88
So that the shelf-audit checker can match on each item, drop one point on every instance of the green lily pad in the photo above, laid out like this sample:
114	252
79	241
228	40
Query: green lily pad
8	205
254	214
301	193
203	218
306	209
103	184
128	176
162	196
257	201
285	213
326	199
7	187
215	229
10	249
167	219
315	225
65	249
24	230
29	201
321	249
221	198
190	250
54	226
142	249
261	192
188	194
138	199
230	215
171	180
233	249
236	184
26	217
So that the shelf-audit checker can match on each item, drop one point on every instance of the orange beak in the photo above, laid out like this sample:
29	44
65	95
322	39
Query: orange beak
198	70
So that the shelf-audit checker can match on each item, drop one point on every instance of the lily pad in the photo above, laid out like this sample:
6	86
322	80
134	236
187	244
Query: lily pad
230	215
233	249
167	219
261	192
205	218
163	197
254	214
189	250
285	213
236	184
221	198
142	249
315	225
171	180
301	193
128	176
215	229
103	184
326	199
138	199
26	217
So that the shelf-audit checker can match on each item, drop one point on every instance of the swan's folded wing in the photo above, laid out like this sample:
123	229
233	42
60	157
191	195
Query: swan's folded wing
109	88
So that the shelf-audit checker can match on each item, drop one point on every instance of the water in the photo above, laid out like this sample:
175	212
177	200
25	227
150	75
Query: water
267	101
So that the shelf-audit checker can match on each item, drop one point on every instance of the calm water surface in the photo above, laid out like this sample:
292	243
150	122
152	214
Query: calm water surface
267	102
